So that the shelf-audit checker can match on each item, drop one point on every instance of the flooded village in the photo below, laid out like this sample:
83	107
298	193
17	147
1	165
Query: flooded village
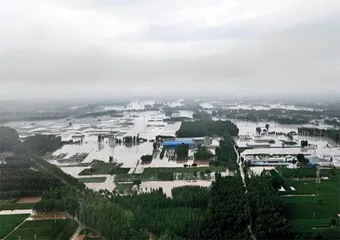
98	155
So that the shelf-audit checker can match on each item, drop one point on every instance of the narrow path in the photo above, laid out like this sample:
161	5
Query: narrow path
240	164
78	230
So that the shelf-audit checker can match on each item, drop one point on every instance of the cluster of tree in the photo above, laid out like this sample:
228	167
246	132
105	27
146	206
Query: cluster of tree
304	143
227	214
18	179
161	155
182	151
202	115
146	158
225	153
9	140
179	217
203	153
282	116
333	134
41	144
59	173
302	160
98	114
333	122
61	198
203	128
130	139
267	211
156	145
168	112
276	179
109	219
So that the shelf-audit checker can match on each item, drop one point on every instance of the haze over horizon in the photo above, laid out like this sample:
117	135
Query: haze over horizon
87	48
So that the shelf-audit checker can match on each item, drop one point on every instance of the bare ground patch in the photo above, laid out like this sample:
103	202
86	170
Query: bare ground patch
29	200
53	215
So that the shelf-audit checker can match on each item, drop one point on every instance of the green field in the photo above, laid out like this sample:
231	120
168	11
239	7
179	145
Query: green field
59	229
13	206
305	172
9	222
308	212
92	179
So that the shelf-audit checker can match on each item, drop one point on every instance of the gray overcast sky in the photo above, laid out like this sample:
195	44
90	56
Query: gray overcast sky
107	48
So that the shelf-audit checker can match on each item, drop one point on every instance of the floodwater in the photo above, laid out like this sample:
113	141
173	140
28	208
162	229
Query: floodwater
108	184
148	125
258	170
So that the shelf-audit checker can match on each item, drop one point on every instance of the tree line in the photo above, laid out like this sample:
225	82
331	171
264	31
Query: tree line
333	134
203	128
267	210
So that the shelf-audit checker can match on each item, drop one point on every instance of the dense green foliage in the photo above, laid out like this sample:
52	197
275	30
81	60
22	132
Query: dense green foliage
182	151
335	123
333	134
59	229
58	172
203	128
43	143
146	158
225	153
203	153
202	115
228	212
161	155
18	182
9	222
9	140
267	210
180	216
108	218
282	116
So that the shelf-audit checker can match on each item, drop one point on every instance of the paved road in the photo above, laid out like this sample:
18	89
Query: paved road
240	164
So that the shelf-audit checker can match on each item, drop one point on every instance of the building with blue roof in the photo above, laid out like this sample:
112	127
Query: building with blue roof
178	141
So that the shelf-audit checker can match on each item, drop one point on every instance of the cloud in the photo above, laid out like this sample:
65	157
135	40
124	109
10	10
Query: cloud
52	48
